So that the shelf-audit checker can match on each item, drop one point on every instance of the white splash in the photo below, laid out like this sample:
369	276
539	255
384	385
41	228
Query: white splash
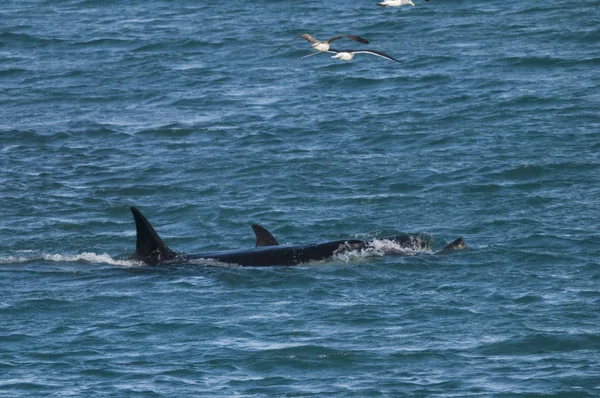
378	248
346	254
13	260
390	247
87	257
93	258
208	262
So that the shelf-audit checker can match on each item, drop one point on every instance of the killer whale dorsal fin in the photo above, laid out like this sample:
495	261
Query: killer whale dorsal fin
263	237
149	247
457	244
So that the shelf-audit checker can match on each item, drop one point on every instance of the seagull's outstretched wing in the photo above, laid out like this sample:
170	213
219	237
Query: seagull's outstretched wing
304	36
373	52
351	37
313	53
312	40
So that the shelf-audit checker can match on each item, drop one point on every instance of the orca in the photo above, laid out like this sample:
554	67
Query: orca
151	250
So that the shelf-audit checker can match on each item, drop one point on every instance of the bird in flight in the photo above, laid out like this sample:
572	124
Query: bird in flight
323	45
396	3
347	55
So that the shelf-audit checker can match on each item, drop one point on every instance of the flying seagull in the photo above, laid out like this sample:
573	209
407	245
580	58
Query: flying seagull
347	55
396	3
324	44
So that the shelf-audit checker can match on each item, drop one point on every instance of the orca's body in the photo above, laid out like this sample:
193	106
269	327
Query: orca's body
281	255
152	250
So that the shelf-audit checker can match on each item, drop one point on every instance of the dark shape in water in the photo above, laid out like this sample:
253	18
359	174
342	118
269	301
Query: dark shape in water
263	237
152	250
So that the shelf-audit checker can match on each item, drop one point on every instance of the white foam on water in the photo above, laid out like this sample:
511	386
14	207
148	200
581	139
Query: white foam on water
87	257
208	262
378	248
93	258
13	259
350	255
389	246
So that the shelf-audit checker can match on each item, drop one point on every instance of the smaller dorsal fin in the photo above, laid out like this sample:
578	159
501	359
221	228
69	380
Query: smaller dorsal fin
263	237
149	247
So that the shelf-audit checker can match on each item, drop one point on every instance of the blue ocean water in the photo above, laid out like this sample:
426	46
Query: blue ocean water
488	130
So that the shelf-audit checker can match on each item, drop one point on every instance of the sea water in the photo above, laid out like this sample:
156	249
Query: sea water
488	129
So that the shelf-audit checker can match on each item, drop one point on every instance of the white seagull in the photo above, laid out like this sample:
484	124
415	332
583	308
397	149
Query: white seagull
347	55
323	45
396	3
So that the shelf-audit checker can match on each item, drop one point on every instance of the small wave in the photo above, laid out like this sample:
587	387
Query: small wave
533	61
526	172
13	72
26	39
87	257
97	42
542	343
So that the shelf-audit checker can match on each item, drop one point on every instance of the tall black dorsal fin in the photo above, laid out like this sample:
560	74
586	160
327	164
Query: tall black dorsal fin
457	244
149	247
263	237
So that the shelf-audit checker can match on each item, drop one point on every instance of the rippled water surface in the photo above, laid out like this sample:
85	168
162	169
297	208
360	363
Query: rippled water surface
488	129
